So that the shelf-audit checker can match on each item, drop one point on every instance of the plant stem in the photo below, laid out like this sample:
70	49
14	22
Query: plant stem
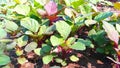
118	56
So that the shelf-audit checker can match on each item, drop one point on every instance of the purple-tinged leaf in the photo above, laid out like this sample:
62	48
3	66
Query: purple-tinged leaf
51	8
111	32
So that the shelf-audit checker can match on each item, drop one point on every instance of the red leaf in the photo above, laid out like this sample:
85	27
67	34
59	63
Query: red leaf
51	8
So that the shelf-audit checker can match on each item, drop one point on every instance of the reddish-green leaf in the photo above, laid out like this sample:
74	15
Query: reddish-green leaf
111	32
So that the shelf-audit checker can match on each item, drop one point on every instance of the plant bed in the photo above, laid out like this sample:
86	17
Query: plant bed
61	33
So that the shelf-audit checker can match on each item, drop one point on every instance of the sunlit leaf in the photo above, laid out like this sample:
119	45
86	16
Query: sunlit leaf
4	59
11	45
56	40
20	1
70	40
51	8
118	27
91	32
117	5
42	2
2	47
47	59
85	9
64	63
21	60
42	30
37	51
78	46
63	28
22	41
90	22
41	12
3	33
19	52
6	40
10	25
30	24
68	12
111	32
77	3
58	60
74	58
29	33
22	9
31	46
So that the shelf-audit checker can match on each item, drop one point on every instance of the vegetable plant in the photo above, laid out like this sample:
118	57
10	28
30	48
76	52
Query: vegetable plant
54	30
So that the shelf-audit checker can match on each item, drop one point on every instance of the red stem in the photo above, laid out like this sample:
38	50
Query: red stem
118	56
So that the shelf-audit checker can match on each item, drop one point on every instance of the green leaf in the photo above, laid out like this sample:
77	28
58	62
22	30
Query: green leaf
42	29
22	9
74	58
99	37
77	3
45	48
56	40
70	40
103	15
3	33
118	27
68	12
64	63
91	32
31	46
10	26
100	50
90	22
22	41
47	59
58	60
86	42
63	28
94	1
20	1
111	32
78	46
4	60
2	47
85	9
74	3
50	29
21	60
29	33
37	51
30	24
11	45
19	52
42	2
6	40
2	24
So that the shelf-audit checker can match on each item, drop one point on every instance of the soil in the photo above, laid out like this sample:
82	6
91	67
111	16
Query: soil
88	59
